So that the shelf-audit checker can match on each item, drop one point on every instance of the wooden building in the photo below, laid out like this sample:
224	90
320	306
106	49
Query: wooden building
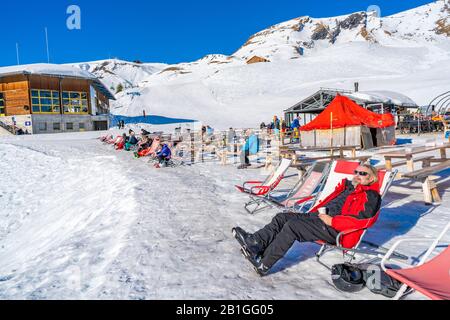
376	101
46	98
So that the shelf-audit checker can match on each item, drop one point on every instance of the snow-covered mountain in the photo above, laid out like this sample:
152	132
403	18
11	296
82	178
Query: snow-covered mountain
426	25
408	52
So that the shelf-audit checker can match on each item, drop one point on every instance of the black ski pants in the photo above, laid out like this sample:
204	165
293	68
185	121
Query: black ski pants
279	235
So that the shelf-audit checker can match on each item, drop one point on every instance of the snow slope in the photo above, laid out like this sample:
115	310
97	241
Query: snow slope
408	52
79	220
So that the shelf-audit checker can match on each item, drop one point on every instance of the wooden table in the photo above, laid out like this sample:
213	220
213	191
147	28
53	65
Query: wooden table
291	150
409	155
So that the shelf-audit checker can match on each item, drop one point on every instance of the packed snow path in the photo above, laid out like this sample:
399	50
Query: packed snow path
79	220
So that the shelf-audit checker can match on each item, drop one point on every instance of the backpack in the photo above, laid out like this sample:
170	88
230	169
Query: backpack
378	281
373	277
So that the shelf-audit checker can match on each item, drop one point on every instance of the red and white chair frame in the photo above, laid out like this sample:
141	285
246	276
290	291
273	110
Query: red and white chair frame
422	261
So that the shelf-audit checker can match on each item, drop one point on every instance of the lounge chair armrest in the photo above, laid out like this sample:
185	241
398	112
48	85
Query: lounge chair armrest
251	182
425	256
262	190
392	250
347	232
299	200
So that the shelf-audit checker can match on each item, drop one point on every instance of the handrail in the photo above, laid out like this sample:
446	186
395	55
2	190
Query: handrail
7	127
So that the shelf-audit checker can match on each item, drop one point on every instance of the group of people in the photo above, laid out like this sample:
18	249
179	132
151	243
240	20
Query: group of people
145	146
121	124
277	126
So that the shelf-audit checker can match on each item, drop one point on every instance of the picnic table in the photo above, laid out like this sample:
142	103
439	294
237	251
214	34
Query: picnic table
289	150
409	153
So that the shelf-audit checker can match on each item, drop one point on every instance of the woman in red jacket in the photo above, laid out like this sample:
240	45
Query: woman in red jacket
353	205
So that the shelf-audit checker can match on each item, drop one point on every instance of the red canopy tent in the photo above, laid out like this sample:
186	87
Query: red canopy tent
345	122
347	113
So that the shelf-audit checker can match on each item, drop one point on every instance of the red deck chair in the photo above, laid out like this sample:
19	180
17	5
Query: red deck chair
345	169
263	187
111	140
150	150
431	277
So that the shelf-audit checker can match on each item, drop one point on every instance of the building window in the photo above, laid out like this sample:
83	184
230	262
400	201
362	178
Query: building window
69	126
56	126
81	125
45	101
2	104
75	102
42	126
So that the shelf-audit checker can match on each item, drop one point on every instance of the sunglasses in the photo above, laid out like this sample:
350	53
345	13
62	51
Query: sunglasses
361	173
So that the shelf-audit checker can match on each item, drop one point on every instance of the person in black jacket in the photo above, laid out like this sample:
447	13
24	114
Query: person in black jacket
131	141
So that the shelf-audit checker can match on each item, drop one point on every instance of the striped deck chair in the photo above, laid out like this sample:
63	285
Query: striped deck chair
150	150
111	140
342	170
260	188
429	277
304	191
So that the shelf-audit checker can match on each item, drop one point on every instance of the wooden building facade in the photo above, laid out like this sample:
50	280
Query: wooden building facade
49	103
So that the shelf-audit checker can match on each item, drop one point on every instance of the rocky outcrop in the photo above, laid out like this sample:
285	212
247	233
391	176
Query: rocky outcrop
321	32
353	21
256	59
443	27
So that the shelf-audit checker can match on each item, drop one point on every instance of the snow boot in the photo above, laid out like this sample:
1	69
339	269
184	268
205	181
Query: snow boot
258	266
248	242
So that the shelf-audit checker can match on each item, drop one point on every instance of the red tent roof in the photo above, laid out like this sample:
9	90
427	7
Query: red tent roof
347	113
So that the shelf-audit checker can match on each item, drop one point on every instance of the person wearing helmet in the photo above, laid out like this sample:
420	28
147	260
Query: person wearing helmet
353	205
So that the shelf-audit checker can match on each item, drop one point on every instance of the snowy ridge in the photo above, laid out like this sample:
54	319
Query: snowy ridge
408	53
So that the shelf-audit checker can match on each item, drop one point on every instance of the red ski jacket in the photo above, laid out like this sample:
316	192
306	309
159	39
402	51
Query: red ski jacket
360	211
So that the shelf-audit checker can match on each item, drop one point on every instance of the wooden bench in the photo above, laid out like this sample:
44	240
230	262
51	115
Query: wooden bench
426	177
423	159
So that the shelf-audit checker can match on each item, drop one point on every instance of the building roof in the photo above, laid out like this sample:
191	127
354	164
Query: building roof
383	96
318	101
56	70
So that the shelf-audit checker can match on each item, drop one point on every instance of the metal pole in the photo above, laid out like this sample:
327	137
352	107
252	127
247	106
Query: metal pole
46	42
331	131
17	53
418	124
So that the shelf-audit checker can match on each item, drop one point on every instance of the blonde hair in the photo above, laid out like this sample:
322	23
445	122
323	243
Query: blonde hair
373	171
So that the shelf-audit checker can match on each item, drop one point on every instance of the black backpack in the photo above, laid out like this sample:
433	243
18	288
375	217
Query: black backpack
378	281
353	277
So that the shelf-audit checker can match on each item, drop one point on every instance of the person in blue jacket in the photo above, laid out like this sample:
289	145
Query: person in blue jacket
164	155
251	146
296	123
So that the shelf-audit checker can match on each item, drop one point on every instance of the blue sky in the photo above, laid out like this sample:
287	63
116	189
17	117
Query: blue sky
154	31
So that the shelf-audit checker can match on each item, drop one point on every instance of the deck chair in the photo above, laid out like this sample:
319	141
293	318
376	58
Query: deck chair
429	277
111	140
150	150
345	169
303	191
260	188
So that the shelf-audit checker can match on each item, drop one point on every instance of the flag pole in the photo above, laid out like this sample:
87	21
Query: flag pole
17	53
46	43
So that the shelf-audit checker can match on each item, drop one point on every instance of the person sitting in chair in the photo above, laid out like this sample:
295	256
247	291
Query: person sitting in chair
164	155
352	206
